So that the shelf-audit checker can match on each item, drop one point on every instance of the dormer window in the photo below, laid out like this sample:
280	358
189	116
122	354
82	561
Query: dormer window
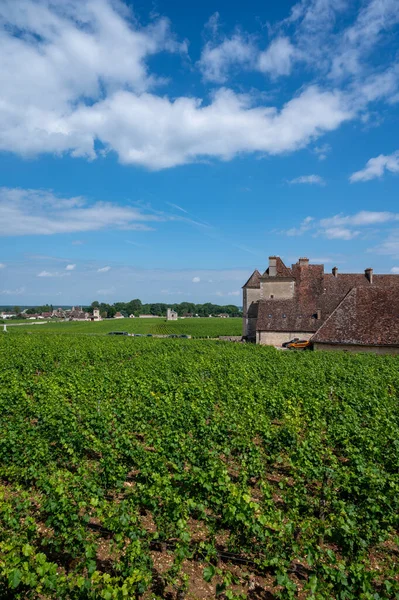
284	316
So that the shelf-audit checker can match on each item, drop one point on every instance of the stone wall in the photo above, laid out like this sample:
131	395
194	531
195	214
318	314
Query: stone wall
277	338
279	288
249	296
358	348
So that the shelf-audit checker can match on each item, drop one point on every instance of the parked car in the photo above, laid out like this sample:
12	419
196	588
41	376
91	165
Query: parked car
173	335
300	345
286	344
149	335
118	333
183	335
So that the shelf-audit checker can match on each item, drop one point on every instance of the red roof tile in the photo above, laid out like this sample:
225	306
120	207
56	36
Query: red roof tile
368	315
253	281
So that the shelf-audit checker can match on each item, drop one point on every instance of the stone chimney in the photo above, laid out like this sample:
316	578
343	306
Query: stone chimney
318	314
369	274
272	266
303	262
335	271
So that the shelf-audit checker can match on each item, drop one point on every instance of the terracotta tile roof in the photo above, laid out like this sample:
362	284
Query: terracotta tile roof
286	315
253	281
368	315
314	291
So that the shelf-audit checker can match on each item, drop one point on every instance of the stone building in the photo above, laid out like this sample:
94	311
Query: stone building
287	302
96	315
171	315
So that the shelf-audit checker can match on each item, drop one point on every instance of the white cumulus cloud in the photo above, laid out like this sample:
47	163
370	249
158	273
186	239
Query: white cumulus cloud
2	266
277	59
70	267
103	269
196	279
341	226
376	167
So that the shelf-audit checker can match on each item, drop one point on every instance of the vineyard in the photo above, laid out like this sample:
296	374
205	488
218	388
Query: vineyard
205	327
187	469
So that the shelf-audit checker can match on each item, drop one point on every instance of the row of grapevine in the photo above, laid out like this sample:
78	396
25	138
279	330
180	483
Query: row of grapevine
128	467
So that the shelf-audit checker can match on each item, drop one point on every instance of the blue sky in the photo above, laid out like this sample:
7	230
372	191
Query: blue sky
163	150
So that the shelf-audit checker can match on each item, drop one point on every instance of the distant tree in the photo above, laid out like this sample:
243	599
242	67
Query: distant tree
95	304
134	307
17	310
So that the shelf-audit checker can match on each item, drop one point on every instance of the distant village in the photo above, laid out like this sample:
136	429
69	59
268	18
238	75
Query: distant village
133	309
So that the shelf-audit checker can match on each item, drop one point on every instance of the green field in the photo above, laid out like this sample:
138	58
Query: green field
196	469
205	327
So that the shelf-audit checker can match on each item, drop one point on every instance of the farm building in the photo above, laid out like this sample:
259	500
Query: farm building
171	315
305	302
96	315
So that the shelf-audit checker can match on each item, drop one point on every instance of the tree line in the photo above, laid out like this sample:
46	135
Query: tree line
158	309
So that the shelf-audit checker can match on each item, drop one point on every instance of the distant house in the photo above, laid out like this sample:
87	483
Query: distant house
118	315
223	316
353	311
7	315
96	315
131	316
171	315
77	314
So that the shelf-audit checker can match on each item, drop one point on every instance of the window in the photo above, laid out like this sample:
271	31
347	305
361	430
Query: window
284	316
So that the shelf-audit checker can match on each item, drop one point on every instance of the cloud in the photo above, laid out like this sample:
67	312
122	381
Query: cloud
2	266
70	267
41	212
341	226
77	243
312	179
17	292
278	58
364	217
376	167
103	269
389	246
339	233
395	270
77	82
306	224
358	40
322	151
75	79
196	279
234	293
52	274
106	292
217	59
